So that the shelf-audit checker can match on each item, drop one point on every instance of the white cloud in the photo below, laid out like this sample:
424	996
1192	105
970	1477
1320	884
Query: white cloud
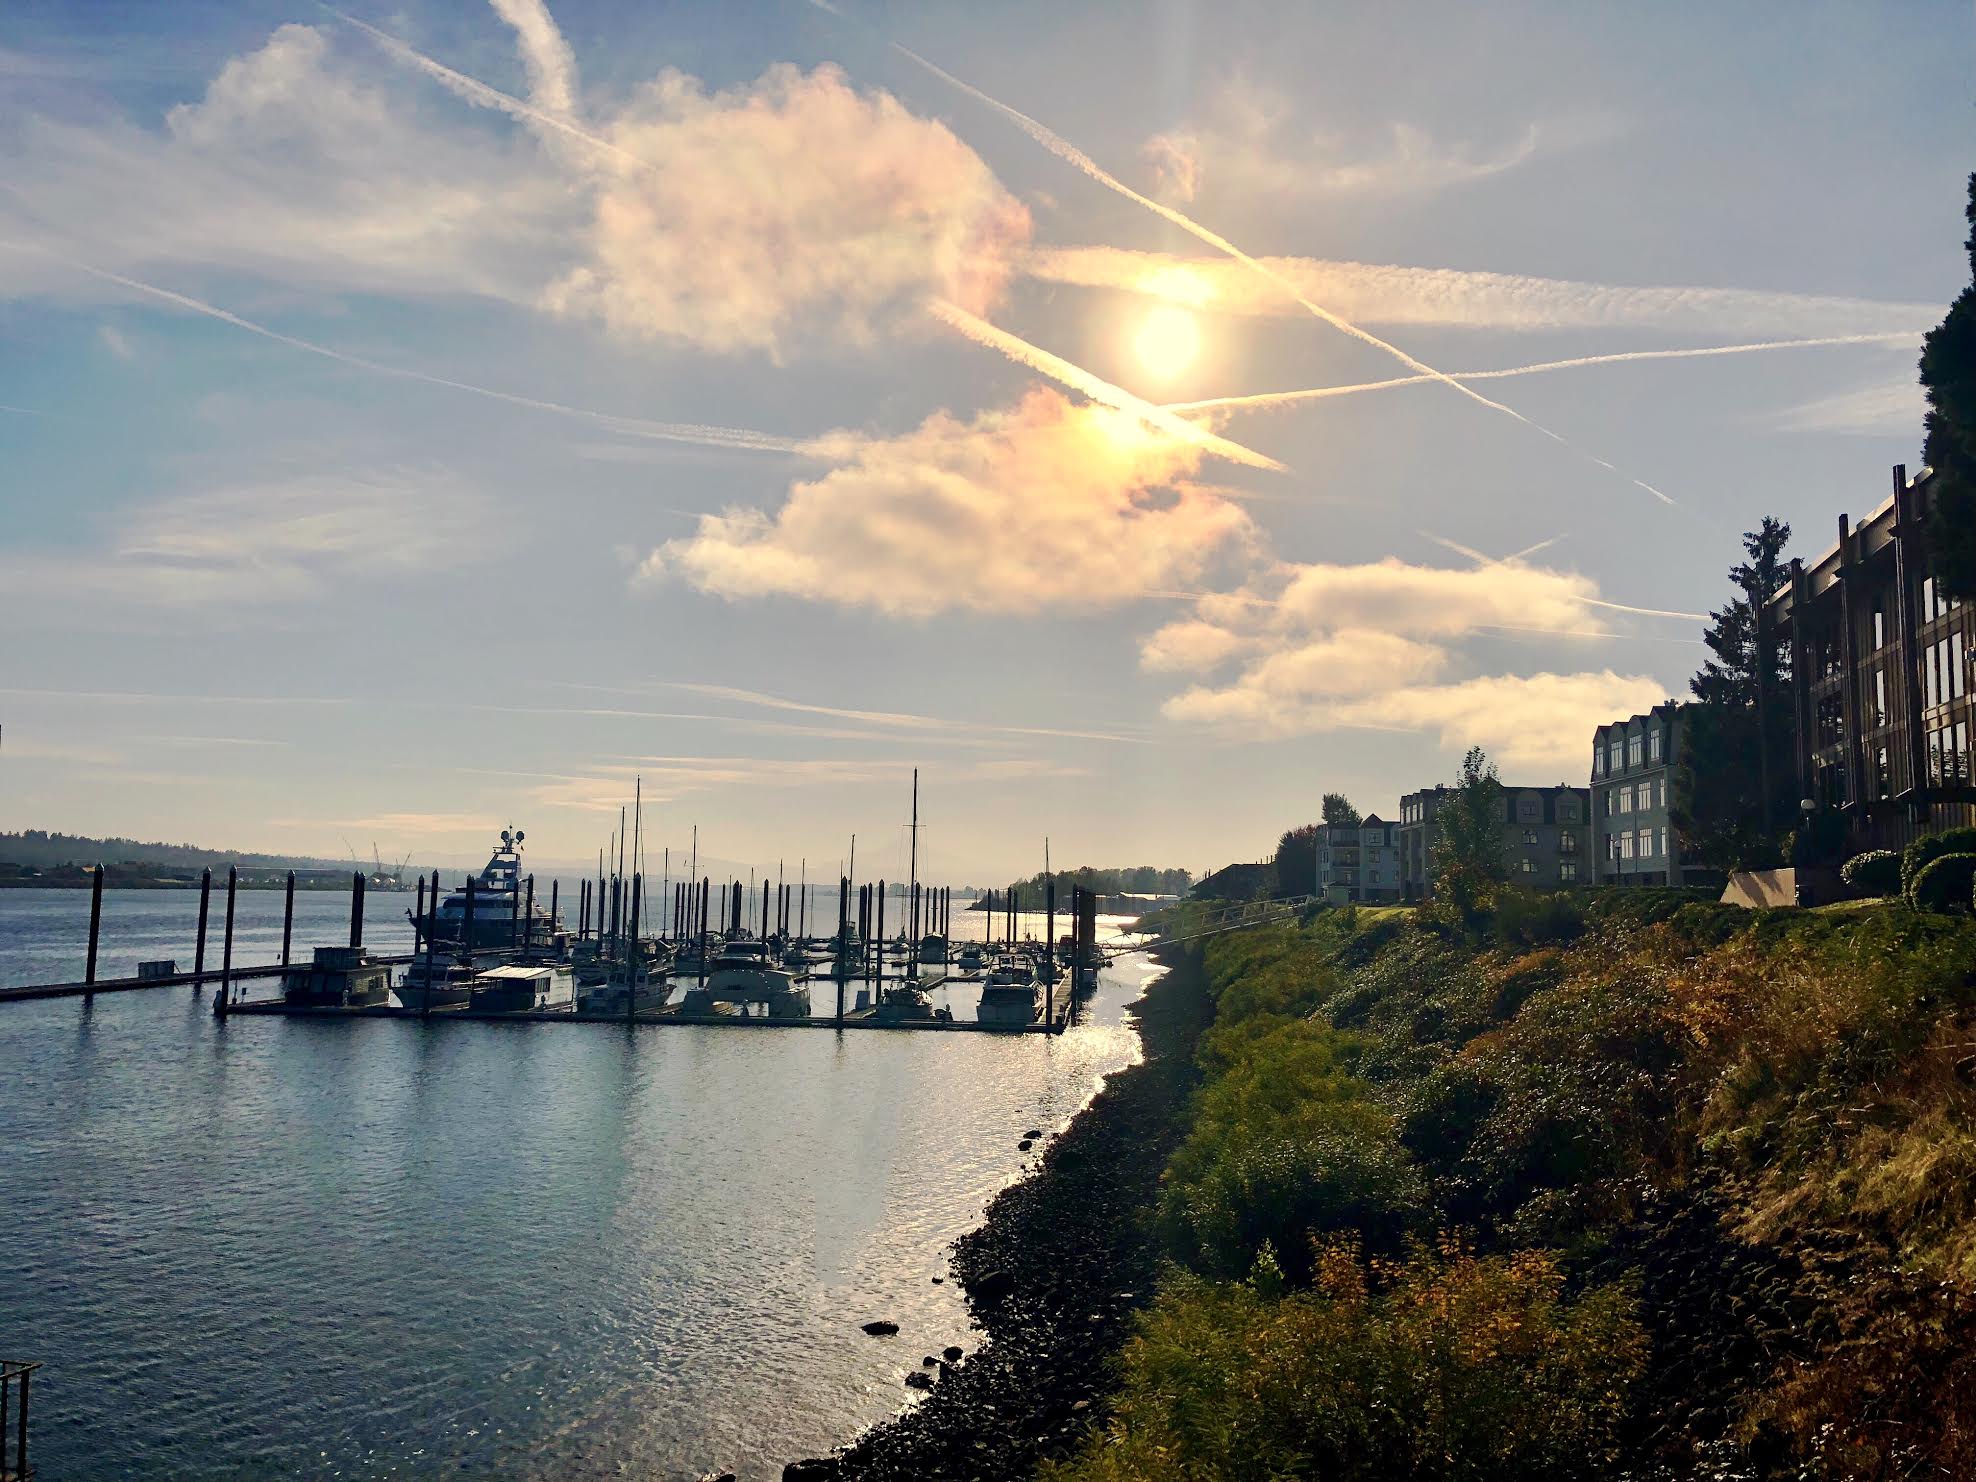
113	341
794	201
550	63
1888	405
1044	505
1324	647
278	541
1249	144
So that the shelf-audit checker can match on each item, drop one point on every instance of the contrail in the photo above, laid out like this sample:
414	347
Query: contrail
1082	381
1070	153
477	92
682	432
1320	393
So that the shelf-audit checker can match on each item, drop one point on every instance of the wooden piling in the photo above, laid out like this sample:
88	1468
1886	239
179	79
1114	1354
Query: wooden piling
878	955
705	881
418	916
555	900
199	949
1050	952
431	946
288	911
221	1003
95	923
356	909
632	953
528	915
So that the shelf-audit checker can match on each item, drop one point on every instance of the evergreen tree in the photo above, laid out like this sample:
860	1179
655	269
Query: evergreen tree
1722	813
1296	859
1469	863
1948	375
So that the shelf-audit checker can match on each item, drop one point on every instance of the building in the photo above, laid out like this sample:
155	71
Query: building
1635	773
1883	690
1547	839
1360	862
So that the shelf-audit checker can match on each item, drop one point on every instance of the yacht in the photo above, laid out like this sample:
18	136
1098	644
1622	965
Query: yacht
437	982
744	972
933	949
502	914
971	960
1008	998
624	990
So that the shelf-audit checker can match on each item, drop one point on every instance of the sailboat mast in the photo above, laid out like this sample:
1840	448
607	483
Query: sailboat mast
912	866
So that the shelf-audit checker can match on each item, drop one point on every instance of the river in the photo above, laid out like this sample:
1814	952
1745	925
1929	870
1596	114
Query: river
379	1248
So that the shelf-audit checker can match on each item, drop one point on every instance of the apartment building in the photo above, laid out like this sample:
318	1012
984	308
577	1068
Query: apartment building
1883	677
1635	773
1359	862
1547	837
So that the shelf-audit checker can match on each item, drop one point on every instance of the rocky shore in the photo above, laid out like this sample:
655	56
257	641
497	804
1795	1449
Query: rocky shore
1052	1276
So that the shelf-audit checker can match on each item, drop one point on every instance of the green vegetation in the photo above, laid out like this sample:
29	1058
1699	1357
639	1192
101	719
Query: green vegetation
1559	1187
1948	377
1945	883
1876	872
1925	850
1133	880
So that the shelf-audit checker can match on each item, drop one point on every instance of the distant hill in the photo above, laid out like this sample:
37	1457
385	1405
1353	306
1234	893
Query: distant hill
40	850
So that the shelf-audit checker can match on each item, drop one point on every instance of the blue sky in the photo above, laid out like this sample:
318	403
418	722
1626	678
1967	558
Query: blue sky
616	390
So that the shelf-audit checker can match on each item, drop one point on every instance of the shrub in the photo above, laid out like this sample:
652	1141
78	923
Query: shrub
1915	858
1945	883
1526	919
1876	872
1448	1365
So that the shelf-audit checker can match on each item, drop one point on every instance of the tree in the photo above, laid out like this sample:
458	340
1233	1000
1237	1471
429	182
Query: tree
1948	376
1469	864
1737	790
1339	812
1296	859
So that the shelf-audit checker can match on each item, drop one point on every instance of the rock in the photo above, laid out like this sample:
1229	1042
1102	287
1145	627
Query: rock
939	1281
1033	1133
1080	1405
816	1469
1023	1146
929	1361
994	1285
919	1379
718	1477
881	1329
951	1353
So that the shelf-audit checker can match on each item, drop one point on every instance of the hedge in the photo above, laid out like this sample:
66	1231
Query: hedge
1933	846
1876	872
1945	884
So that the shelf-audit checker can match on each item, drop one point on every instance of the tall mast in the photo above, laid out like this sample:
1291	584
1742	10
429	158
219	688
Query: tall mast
912	866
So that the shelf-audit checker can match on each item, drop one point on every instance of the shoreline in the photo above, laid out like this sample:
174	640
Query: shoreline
1053	1276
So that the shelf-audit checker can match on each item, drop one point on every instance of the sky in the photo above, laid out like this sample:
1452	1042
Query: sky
419	419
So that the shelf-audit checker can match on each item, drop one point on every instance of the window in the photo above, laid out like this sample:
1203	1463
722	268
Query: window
1527	866
1880	715
1626	844
1879	628
1635	745
1598	760
1567	869
1653	744
1663	843
1646	842
1567	843
1612	756
1567	808
1529	838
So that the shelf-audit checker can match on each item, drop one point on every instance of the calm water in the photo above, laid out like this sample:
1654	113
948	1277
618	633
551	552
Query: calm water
385	1248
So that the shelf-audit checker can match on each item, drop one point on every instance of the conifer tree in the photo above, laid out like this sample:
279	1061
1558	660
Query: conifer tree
1948	376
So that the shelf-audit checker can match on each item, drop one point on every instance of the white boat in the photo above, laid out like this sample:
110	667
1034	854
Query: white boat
1008	998
744	972
522	987
437	982
647	991
971	960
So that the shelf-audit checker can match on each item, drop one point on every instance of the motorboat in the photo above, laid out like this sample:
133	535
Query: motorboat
338	977
437	982
625	990
1008	997
971	959
933	949
744	971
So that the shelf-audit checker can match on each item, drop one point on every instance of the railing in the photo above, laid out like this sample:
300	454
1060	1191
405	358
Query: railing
14	1463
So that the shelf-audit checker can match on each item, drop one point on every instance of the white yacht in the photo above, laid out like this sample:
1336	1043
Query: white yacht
502	914
1008	998
520	987
744	972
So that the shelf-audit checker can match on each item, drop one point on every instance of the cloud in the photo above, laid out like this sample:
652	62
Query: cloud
1888	405
793	202
550	63
1248	144
114	341
257	543
1043	505
292	166
1324	647
1389	294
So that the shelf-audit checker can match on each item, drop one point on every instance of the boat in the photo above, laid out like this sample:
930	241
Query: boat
437	982
1008	998
503	915
971	960
744	972
521	987
338	977
933	949
644	990
906	1002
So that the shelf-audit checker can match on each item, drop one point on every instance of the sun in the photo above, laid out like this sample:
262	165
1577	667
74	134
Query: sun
1168	340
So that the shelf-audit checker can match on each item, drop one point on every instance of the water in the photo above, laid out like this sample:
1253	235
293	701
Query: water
383	1248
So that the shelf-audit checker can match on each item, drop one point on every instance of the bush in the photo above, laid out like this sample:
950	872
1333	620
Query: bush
1946	883
1915	858
1876	872
1526	919
1446	1366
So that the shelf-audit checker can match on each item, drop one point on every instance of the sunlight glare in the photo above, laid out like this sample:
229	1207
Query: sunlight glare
1168	340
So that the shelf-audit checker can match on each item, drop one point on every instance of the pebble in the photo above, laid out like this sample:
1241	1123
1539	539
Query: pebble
881	1328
